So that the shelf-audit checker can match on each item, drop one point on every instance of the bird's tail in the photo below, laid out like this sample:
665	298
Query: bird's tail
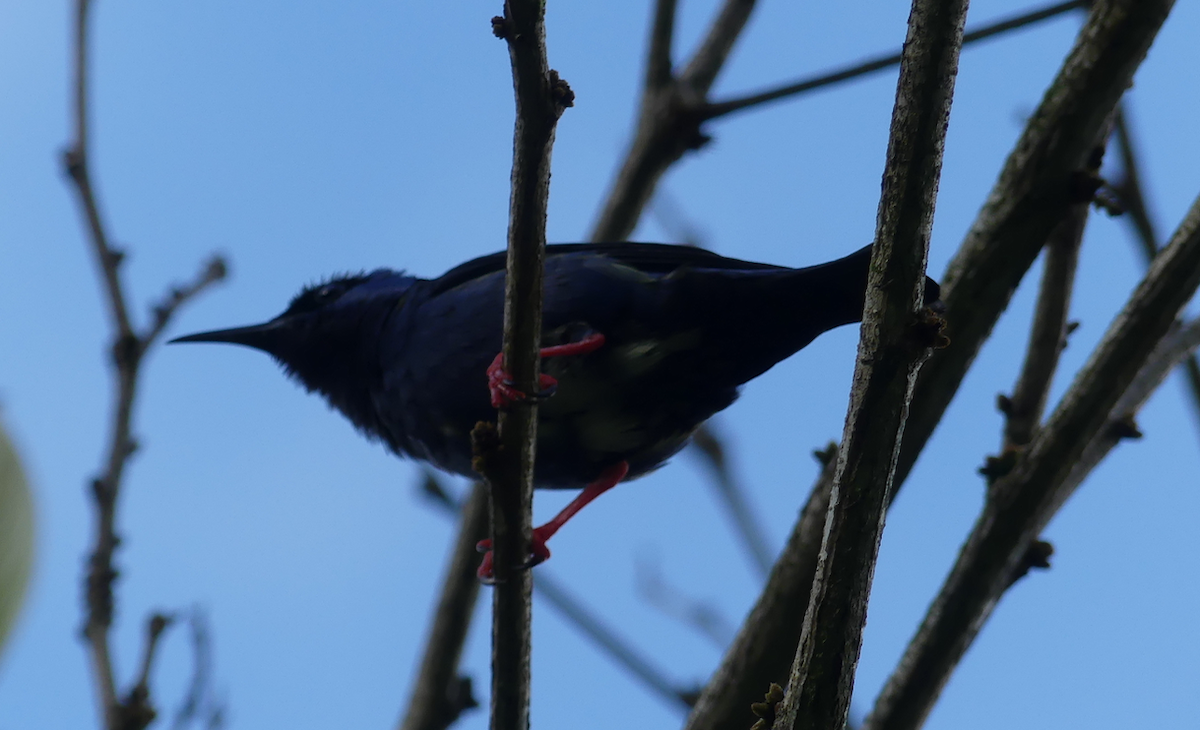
754	319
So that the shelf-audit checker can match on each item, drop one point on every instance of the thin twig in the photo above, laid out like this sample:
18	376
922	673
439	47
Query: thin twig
198	703
1047	336
748	528
155	626
721	108
1133	197
577	614
895	341
624	653
541	96
694	613
1022	503
440	695
671	114
127	350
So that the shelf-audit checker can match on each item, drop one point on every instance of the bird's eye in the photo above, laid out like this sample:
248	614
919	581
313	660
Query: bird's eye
327	292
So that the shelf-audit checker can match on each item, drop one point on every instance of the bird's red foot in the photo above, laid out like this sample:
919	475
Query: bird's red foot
538	552
500	383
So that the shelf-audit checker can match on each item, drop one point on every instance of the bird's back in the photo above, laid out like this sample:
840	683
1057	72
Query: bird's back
683	329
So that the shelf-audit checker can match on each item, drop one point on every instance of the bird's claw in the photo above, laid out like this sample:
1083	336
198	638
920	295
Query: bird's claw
500	383
504	394
538	554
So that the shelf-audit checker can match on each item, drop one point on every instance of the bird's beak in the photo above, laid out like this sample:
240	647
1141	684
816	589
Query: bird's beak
259	336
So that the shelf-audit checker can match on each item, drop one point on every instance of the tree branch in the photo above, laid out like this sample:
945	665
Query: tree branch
1038	185
1129	189
1101	65
747	526
1022	503
440	694
127	349
541	98
891	350
1179	344
718	109
658	60
1047	336
198	704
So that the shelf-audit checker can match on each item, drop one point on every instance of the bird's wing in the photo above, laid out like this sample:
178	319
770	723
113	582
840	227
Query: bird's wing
652	258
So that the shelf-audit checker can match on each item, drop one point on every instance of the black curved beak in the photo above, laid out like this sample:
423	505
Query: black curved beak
263	336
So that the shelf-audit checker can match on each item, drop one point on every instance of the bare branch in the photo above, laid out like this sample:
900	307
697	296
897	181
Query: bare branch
127	350
694	613
721	108
1129	189
1022	503
440	694
541	96
1180	343
198	703
748	528
136	711
1036	188
214	270
1099	68
700	73
891	350
1048	334
658	60
624	653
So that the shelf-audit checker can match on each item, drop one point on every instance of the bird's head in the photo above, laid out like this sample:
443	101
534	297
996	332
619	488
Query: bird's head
328	337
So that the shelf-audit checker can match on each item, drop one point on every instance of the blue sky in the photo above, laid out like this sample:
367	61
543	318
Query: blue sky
306	138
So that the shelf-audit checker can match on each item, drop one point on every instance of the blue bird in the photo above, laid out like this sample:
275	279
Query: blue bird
642	343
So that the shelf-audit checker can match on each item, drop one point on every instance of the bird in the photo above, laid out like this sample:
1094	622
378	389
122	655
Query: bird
641	344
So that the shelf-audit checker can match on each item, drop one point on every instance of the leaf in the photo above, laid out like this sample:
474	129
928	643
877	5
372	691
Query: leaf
16	535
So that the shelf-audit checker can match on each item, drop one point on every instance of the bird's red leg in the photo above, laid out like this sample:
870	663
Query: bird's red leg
608	479
500	383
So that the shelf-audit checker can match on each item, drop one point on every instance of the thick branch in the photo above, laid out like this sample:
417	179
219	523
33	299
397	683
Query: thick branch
1133	198
721	108
1179	345
540	99
440	695
1022	503
890	354
1036	188
1099	68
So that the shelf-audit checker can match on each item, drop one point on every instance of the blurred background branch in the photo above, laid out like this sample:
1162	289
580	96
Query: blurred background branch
127	351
